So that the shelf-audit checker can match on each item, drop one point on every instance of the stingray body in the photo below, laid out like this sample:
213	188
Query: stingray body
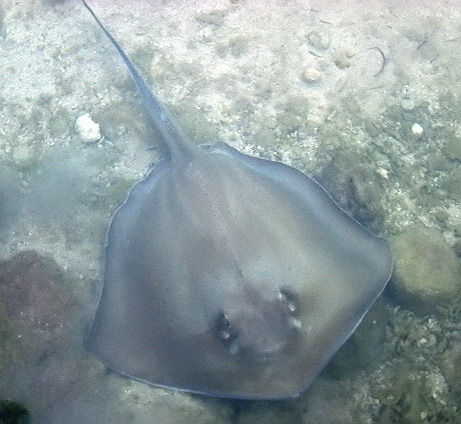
229	275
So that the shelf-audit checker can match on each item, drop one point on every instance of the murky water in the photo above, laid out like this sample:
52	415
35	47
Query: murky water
365	98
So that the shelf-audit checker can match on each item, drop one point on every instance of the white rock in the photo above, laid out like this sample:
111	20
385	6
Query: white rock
383	172
87	129
417	130
311	75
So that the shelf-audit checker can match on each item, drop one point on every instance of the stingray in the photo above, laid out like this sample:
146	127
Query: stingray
229	275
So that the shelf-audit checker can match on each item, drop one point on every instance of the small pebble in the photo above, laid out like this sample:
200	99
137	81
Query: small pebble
407	104
87	129
311	75
383	173
417	130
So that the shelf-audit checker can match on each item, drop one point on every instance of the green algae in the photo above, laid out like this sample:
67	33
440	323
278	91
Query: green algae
415	383
413	393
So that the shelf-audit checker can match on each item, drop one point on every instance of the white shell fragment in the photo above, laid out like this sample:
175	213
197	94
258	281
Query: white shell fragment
311	75
87	129
417	130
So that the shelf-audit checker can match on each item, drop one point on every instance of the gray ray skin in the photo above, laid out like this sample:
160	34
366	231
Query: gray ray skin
229	275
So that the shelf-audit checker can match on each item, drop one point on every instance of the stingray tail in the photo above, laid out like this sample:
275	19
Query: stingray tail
174	138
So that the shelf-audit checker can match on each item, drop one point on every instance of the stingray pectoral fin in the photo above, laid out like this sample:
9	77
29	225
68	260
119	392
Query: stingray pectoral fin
350	233
344	268
118	335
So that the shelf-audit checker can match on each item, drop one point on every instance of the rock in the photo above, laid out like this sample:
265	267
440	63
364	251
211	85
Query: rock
410	393
32	288
426	268
452	148
417	130
441	215
87	129
311	75
36	306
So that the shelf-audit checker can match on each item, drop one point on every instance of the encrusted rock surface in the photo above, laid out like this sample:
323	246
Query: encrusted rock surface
426	268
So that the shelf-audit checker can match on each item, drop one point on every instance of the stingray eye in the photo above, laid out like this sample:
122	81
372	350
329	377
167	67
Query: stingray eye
223	328
289	301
